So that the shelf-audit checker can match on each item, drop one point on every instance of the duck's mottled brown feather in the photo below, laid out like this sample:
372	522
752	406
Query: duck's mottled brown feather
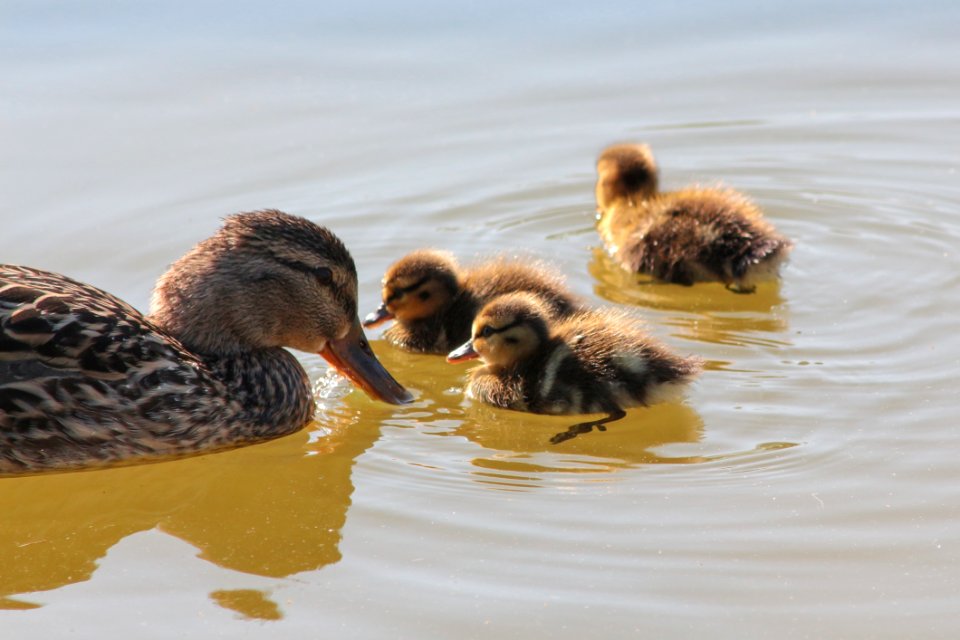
86	379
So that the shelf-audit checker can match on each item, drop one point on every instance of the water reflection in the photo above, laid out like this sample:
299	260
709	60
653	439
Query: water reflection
523	441
272	510
249	603
706	312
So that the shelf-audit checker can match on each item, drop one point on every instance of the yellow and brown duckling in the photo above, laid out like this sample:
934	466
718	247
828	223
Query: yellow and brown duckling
87	380
695	234
434	301
595	361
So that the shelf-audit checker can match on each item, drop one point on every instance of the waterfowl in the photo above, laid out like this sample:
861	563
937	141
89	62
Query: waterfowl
695	234
433	300
595	361
86	379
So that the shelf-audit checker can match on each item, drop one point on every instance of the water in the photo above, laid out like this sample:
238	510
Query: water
807	486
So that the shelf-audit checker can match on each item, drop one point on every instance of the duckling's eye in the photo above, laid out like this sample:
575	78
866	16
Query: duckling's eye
324	275
424	295
486	332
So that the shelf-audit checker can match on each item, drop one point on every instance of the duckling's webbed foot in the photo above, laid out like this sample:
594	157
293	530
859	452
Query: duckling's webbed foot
587	427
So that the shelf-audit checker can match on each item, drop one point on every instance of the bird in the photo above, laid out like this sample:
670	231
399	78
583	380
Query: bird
694	234
433	300
87	380
594	361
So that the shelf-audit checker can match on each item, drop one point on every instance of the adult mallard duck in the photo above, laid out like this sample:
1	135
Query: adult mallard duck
695	234
595	361
434	300
86	379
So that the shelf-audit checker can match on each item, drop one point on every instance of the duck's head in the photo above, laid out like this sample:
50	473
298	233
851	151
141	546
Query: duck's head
625	172
268	279
508	330
416	287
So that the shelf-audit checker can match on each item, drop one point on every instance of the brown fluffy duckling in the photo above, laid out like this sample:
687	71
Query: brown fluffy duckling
434	301
695	234
595	361
86	379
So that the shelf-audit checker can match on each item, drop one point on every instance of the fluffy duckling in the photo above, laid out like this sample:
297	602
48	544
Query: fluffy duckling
86	379
695	234
434	301
592	362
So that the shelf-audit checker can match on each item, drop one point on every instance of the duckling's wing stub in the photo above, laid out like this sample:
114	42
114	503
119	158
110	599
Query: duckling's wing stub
701	234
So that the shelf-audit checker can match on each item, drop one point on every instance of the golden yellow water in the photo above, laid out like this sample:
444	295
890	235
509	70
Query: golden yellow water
805	487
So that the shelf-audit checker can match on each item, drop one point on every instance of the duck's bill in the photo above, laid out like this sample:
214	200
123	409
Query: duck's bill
354	359
378	317
463	353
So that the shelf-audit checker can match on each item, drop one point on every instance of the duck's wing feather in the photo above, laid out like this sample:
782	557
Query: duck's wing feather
86	379
51	325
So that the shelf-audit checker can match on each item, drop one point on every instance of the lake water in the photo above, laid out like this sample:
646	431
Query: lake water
808	485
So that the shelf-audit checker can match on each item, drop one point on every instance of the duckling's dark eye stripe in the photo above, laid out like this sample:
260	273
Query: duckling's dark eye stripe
405	290
492	330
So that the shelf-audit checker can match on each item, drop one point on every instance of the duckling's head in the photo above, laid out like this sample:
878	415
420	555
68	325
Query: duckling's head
507	331
418	286
268	279
625	172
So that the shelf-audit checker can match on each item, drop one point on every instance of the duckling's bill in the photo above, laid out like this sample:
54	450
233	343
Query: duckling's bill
463	353
353	358
377	317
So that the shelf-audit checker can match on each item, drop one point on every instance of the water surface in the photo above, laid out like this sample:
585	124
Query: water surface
806	487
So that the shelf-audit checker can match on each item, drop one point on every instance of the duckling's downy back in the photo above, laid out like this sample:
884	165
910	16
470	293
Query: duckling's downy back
434	301
590	362
695	234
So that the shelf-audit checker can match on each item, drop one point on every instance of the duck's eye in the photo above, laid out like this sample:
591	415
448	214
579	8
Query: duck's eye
486	332
324	275
424	295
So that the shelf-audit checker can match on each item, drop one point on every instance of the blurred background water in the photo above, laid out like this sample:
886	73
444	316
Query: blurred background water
807	486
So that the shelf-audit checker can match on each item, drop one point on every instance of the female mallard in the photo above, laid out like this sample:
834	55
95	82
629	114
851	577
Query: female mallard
592	362
434	301
685	236
85	379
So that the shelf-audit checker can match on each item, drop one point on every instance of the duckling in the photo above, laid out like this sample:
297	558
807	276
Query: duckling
87	380
595	361
695	234
434	301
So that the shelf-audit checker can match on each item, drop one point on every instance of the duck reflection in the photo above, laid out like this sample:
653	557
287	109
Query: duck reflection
706	312
521	442
251	604
528	443
272	510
